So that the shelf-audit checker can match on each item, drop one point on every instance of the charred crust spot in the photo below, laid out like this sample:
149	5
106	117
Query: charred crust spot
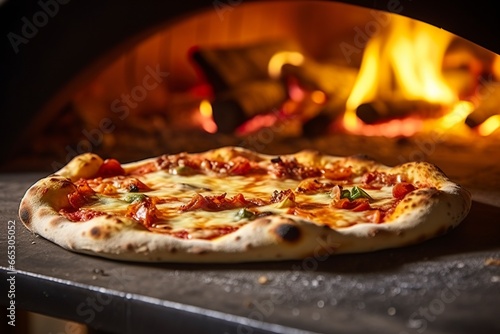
58	221
288	232
66	183
238	238
130	247
173	250
25	215
95	232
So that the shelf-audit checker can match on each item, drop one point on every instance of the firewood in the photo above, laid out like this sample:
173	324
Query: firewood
335	81
489	104
332	79
381	110
226	68
232	108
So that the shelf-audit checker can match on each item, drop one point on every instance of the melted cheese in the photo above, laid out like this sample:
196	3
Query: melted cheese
174	191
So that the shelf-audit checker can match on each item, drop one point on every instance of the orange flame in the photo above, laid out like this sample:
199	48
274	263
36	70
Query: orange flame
489	126
401	63
206	119
281	58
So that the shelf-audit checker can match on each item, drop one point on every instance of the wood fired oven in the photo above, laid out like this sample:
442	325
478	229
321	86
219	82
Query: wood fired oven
135	80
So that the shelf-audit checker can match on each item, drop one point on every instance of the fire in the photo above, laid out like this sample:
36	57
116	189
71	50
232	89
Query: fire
206	120
281	58
489	126
401	63
409	82
457	115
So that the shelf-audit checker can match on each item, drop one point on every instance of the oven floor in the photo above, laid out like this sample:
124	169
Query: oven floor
449	284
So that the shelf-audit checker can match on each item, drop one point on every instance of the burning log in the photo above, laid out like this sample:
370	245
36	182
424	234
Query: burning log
233	107
228	67
488	105
379	111
332	79
335	81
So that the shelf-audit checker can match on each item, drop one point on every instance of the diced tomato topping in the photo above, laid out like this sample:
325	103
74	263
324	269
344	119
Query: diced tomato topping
81	215
83	195
376	216
313	185
110	167
292	169
219	203
279	196
84	188
400	189
144	211
360	204
76	200
377	180
239	166
134	185
339	173
368	178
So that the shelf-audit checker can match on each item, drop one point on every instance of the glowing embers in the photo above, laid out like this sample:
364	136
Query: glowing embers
413	78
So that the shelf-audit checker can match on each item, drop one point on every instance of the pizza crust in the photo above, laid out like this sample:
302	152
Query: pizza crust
421	215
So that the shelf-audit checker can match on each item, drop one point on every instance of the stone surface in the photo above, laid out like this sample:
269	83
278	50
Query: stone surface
442	285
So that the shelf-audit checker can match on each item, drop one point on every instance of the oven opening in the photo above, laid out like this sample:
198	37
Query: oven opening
278	77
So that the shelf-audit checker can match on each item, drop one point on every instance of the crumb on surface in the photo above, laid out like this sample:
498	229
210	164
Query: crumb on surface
263	279
492	262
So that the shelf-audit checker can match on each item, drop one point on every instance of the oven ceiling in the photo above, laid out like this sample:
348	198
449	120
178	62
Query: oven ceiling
81	32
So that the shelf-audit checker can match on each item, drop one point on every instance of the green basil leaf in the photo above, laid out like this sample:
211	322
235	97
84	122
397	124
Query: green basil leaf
354	194
134	198
244	214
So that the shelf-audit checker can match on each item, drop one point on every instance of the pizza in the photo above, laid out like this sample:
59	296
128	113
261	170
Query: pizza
235	205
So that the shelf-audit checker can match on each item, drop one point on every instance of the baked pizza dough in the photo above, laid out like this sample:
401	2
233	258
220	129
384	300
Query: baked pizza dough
235	205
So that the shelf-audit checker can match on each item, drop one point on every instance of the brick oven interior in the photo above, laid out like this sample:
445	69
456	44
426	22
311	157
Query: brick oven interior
148	79
148	94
